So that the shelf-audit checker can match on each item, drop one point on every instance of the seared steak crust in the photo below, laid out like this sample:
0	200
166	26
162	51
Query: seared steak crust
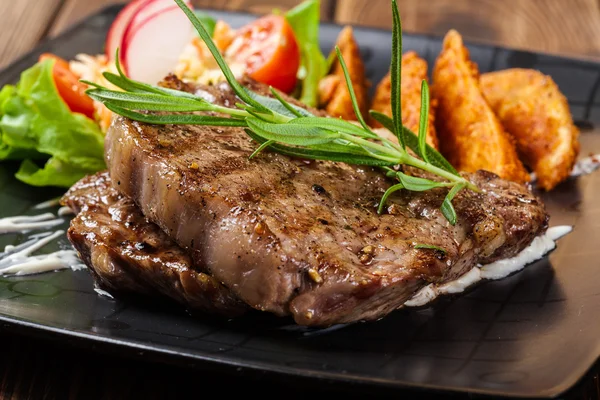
126	253
303	238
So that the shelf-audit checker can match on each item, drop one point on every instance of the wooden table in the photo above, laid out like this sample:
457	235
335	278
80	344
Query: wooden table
570	27
33	368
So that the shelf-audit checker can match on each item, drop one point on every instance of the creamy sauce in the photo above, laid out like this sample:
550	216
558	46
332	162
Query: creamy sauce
103	293
18	260
47	204
584	166
64	211
24	223
539	247
58	260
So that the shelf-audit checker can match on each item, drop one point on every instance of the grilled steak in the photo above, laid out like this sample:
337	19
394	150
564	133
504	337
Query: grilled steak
302	238
126	253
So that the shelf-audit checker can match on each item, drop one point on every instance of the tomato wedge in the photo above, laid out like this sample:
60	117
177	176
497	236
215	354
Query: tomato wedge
69	88
268	48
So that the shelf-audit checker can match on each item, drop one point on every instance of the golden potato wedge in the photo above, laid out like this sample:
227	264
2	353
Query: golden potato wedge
328	86
533	110
334	96
414	70
470	135
223	35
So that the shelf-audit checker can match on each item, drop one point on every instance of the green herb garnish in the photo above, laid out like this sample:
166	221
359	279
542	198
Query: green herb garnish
38	128
209	22
430	247
285	128
305	20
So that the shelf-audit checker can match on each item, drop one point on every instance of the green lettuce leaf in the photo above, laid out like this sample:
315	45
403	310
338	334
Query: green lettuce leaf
36	124
304	20
54	173
15	141
208	21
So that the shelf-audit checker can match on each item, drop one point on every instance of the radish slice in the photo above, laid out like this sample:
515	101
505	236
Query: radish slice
117	30
150	8
152	49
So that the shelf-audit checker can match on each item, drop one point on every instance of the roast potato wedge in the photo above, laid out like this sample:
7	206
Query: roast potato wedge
334	96
470	135
414	71
532	109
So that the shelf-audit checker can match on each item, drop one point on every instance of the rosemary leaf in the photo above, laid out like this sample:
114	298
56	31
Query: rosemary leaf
423	121
261	148
148	101
435	158
431	247
290	133
290	107
92	84
387	194
417	184
130	85
355	106
176	119
384	120
123	83
256	114
447	207
412	141
389	172
321	152
279	105
396	74
335	124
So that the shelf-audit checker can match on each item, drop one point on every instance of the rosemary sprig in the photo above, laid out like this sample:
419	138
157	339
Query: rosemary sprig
280	126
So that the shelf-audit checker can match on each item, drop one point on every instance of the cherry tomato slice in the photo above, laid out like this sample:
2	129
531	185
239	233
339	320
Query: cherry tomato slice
268	48
69	88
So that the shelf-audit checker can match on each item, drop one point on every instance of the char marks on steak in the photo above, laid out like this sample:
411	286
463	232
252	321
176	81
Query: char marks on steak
126	253
303	238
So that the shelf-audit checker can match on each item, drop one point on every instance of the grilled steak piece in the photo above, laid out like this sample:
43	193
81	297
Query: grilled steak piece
126	253
295	237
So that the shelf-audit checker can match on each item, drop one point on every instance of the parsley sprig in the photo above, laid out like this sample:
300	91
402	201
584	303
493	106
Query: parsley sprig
280	126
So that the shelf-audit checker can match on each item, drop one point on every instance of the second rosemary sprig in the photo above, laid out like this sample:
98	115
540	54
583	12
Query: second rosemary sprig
280	126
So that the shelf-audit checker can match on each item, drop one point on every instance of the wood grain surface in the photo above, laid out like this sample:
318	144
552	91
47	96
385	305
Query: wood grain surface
33	368
567	27
23	26
76	10
73	11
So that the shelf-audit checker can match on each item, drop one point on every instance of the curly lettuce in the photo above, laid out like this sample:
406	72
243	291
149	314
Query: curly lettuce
304	20
57	147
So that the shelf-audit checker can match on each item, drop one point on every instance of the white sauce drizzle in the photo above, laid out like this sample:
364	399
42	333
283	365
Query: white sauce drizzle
584	166
539	247
19	261
47	204
103	293
65	211
23	223
58	260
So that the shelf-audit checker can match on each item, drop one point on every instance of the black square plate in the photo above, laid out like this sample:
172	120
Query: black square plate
532	334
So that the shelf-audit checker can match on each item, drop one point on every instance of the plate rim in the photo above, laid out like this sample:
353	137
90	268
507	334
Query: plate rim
31	329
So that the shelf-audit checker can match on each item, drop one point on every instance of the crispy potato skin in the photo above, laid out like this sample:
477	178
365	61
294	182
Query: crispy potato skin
535	112
414	71
470	135
334	96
